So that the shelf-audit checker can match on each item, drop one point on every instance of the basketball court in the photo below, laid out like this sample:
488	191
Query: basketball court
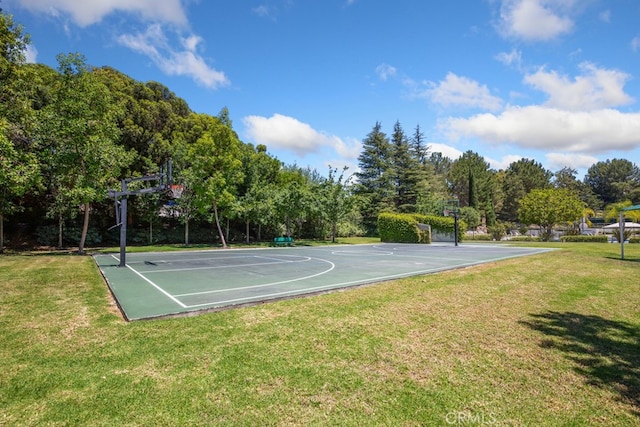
177	283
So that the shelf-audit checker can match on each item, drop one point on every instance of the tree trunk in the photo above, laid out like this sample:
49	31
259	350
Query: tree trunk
60	223
186	232
85	228
1	232
247	230
259	232
215	212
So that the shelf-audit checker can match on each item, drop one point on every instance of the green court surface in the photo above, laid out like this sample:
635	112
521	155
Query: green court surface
174	283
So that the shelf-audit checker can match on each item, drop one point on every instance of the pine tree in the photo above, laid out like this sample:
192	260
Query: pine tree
407	171
375	178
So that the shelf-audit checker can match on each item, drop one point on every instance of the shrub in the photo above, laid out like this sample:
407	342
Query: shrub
581	238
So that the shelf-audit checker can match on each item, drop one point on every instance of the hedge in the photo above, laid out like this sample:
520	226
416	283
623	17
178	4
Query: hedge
403	228
580	238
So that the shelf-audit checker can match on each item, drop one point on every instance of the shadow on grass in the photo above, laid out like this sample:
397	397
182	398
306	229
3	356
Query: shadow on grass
606	352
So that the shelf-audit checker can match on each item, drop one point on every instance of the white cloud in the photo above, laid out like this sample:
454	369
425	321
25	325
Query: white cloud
635	43
513	58
596	88
460	91
31	54
284	132
187	62
557	161
88	12
504	162
544	128
384	71
605	16
446	150
535	20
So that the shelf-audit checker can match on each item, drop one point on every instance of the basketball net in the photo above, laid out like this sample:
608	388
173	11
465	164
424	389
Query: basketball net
176	190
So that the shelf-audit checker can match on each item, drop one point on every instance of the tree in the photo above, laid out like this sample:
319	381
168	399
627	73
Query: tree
213	167
407	171
566	178
374	186
79	136
549	207
613	180
468	173
470	216
521	177
338	202
19	172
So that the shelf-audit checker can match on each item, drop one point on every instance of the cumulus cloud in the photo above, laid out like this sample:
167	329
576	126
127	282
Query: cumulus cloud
284	132
182	62
545	128
88	12
596	88
463	92
446	150
536	20
557	161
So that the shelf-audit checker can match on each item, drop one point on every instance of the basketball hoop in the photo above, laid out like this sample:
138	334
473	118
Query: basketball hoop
176	190
446	212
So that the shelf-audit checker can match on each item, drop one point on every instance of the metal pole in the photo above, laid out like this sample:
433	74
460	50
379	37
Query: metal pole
455	228
621	224
123	226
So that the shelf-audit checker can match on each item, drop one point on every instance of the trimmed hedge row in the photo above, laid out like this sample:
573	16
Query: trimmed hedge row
589	239
403	228
399	228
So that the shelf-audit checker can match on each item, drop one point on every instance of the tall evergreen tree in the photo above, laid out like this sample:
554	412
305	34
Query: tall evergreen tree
407	171
375	187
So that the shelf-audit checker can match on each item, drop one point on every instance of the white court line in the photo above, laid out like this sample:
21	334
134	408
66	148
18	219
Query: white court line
343	284
332	266
171	297
279	261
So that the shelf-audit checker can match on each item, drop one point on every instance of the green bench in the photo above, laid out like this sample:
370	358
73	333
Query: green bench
283	241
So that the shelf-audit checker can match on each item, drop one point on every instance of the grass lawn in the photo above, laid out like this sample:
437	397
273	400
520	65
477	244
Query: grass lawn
551	339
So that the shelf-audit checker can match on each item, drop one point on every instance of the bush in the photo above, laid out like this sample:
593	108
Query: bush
581	238
398	228
47	235
479	237
525	239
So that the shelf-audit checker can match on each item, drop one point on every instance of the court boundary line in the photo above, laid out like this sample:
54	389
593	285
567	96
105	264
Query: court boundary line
167	294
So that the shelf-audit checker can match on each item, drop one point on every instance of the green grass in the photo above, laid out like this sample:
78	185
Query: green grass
546	340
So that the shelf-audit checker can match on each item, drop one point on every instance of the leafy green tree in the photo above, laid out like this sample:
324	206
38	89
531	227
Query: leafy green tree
255	195
549	207
79	135
521	177
613	180
375	186
19	173
613	210
337	200
471	217
567	178
212	169
469	163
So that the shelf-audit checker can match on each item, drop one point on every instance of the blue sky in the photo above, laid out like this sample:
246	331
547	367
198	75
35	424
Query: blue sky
557	81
